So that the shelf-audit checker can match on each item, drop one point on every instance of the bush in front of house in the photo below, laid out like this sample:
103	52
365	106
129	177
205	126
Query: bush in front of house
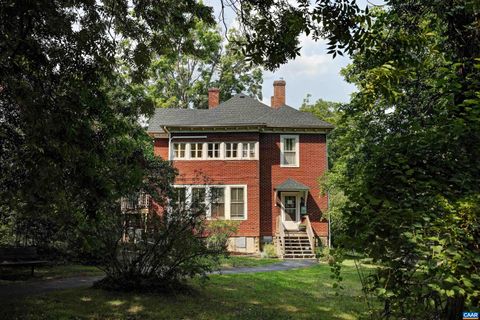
268	251
165	247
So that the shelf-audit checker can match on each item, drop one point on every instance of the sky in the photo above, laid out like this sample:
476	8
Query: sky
314	72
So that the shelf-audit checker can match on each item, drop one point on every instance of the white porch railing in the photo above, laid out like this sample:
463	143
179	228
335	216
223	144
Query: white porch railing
135	202
281	237
310	234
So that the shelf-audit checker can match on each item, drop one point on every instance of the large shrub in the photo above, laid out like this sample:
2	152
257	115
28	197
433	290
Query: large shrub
169	244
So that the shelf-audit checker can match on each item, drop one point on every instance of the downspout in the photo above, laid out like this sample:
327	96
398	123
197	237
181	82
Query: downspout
169	143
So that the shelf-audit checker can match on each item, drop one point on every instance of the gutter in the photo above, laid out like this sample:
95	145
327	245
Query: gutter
170	138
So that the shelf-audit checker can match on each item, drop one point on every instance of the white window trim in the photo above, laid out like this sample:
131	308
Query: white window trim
227	197
222	151
239	150
248	153
186	150
297	151
219	151
202	151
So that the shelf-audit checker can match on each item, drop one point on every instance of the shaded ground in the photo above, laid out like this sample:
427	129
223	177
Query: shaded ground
302	293
34	287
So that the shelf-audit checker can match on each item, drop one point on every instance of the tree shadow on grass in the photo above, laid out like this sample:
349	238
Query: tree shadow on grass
295	294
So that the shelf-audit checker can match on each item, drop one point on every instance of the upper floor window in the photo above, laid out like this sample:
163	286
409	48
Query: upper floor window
179	150
213	150
289	151
231	150
196	150
248	150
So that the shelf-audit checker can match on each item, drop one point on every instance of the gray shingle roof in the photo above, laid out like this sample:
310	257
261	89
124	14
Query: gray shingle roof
239	110
291	185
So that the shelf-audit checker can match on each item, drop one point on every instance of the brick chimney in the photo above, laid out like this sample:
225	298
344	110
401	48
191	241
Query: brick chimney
278	98
213	98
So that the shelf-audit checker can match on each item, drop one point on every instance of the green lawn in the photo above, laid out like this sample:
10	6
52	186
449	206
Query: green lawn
299	294
11	275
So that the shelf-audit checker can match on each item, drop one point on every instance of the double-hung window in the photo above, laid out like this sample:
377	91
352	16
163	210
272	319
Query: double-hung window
217	195
231	150
196	150
248	150
198	195
219	202
179	150
213	150
180	197
237	203
289	154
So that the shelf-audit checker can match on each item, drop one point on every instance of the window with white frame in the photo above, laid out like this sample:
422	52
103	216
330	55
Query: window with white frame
248	150
231	150
180	196
196	150
217	199
213	150
179	150
198	195
237	203
221	202
289	151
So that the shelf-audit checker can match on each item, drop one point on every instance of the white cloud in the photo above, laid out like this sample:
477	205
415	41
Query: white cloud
312	61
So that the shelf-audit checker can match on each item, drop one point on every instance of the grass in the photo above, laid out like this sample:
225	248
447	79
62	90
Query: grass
11	275
295	294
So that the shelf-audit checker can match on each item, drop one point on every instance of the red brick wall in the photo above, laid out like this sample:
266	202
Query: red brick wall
262	211
160	148
222	172
312	166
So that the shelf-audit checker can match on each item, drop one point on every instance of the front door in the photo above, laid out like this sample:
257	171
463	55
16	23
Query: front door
290	210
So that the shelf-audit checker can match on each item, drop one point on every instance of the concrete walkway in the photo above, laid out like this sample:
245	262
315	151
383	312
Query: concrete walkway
281	266
43	286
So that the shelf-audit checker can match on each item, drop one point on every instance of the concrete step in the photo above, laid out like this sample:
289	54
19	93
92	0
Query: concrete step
299	247
299	256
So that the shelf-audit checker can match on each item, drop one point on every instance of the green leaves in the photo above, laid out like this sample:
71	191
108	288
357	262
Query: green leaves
71	139
182	79
408	146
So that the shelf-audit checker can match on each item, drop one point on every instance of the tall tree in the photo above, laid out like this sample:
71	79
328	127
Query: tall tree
411	143
70	143
331	112
408	158
182	79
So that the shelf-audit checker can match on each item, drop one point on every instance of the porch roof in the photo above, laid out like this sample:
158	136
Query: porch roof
291	185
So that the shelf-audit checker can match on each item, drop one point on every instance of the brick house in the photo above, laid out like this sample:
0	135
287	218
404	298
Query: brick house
263	162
